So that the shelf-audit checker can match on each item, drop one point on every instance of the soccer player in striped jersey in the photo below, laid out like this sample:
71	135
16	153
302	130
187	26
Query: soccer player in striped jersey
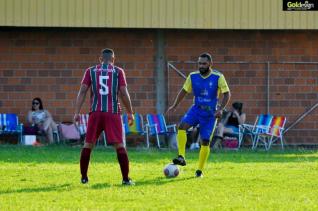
106	83
206	85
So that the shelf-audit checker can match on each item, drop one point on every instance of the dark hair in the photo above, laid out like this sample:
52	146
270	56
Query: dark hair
206	55
108	51
238	106
107	54
40	101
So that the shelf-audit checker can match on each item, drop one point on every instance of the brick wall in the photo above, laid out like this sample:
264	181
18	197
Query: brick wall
49	63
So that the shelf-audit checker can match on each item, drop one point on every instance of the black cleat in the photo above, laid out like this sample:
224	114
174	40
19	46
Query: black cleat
179	161
198	174
84	180
128	182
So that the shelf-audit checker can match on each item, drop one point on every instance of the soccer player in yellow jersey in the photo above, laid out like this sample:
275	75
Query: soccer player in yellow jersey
206	86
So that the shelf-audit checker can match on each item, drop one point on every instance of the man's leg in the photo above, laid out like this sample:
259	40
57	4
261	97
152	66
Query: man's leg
203	156
207	127
114	135
189	119
94	129
181	140
123	161
84	161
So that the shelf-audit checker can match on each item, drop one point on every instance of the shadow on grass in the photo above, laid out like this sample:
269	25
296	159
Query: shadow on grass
64	154
100	186
159	181
155	181
35	190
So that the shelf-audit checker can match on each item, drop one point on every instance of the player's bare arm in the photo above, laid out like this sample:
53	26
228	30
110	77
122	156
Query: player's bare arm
182	93
125	98
79	101
225	101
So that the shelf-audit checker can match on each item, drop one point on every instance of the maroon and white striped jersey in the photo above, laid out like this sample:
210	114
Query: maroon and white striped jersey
105	81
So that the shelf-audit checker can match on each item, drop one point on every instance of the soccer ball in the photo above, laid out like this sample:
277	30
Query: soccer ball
171	170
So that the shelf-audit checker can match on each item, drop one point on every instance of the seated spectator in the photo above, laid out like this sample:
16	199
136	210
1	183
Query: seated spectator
232	120
42	119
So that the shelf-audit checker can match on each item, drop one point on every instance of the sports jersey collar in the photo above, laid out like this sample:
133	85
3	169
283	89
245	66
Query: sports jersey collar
211	70
106	66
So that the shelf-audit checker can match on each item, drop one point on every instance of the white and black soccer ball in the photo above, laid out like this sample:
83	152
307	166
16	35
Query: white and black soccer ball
171	170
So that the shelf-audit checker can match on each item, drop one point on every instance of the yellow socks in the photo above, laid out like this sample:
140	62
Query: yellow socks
203	156
182	140
204	151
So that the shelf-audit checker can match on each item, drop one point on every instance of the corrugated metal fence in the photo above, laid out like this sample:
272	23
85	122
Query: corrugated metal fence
183	14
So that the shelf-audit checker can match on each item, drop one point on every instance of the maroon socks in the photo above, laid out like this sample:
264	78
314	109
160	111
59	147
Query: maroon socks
121	156
84	161
123	162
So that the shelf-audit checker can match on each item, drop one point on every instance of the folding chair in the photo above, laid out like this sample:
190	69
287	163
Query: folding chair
157	126
9	124
57	135
83	127
261	125
274	133
137	127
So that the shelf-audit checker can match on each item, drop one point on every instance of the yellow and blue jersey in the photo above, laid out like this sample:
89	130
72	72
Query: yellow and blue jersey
206	89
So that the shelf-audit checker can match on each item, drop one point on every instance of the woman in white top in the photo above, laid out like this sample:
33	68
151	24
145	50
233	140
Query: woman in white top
42	119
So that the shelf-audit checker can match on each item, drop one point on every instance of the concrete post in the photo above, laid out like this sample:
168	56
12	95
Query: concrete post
160	80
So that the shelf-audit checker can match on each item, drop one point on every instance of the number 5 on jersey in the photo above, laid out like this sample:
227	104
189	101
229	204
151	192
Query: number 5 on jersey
103	85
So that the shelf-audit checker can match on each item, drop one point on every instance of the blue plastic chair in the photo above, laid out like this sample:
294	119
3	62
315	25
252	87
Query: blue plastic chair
9	124
261	125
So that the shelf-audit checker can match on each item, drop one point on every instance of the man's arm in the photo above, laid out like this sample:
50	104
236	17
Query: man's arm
182	93
79	101
125	98
224	88
225	100
187	88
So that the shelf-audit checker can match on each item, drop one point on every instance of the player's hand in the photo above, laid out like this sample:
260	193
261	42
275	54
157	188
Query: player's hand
218	113
130	119
76	118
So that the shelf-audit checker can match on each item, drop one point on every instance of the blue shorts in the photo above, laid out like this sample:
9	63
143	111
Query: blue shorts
233	128
206	120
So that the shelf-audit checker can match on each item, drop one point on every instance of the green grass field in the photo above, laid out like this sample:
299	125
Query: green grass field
47	178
